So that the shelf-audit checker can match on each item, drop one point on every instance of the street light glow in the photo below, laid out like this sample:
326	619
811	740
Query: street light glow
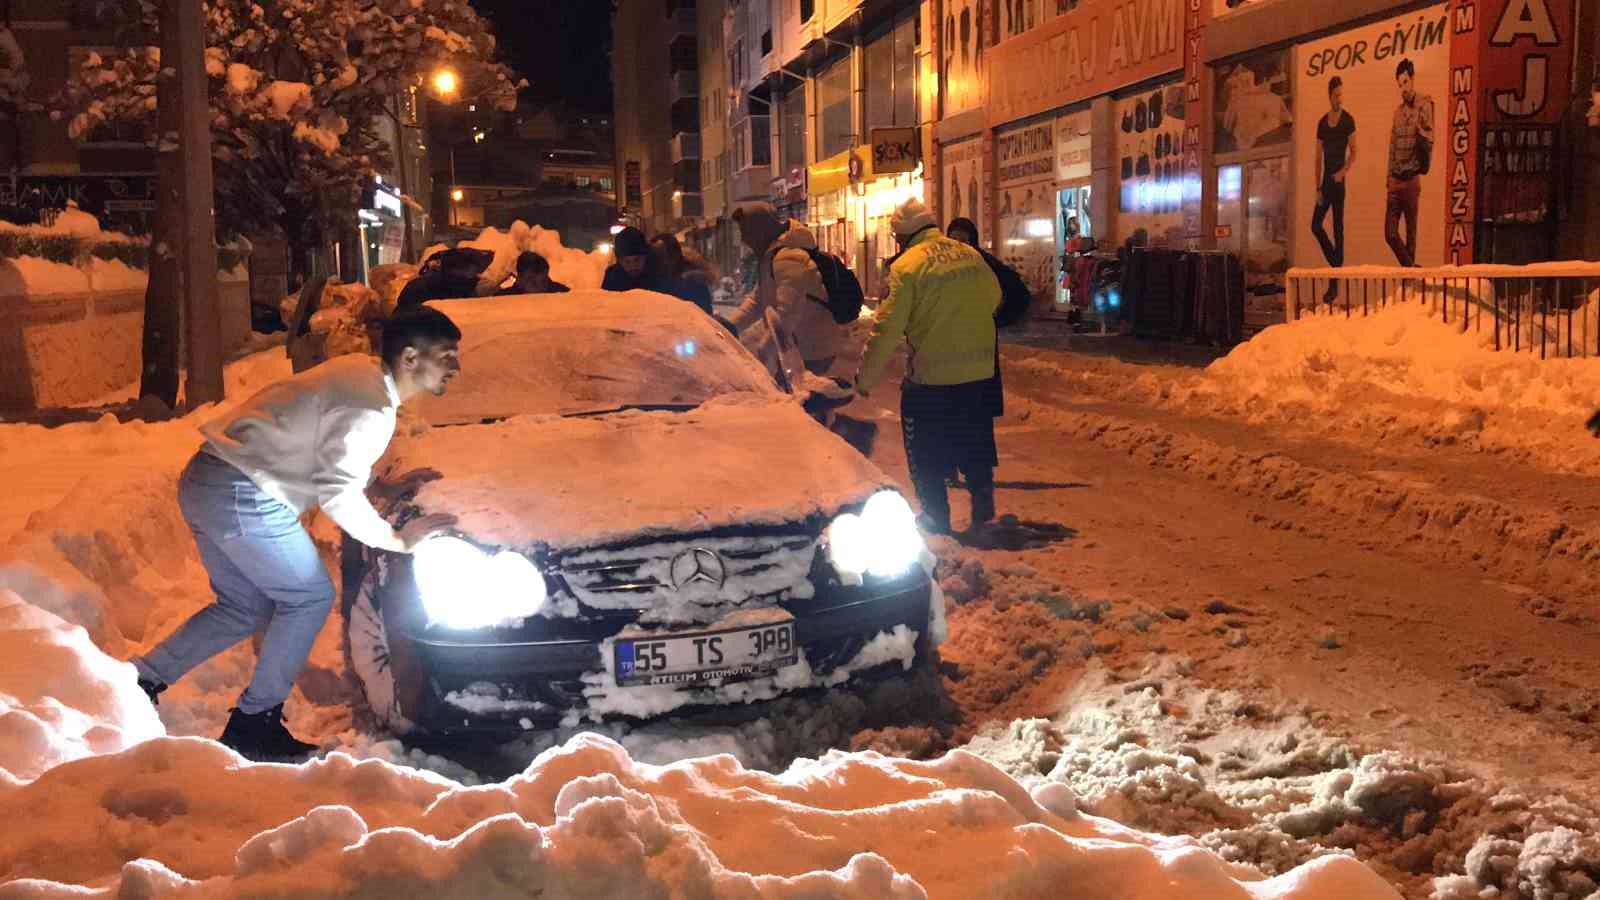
456	195
446	82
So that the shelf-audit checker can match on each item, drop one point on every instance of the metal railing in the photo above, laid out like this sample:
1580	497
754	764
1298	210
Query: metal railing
1549	308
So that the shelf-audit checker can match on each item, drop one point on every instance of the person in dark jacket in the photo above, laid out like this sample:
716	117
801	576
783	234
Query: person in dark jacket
533	277
446	275
635	269
684	281
1015	298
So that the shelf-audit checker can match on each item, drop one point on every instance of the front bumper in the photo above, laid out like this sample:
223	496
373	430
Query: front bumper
501	681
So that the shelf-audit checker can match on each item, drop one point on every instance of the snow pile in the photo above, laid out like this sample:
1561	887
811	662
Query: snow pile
61	698
1329	363
576	269
586	820
1268	789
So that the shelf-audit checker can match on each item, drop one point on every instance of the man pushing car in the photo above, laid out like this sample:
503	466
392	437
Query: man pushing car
311	440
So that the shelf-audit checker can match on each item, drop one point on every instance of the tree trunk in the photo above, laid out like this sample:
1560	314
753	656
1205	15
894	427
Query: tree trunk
163	296
198	250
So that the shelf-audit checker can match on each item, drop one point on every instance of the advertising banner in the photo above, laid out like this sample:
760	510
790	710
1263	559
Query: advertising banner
964	184
1100	46
1150	128
1074	146
1253	106
1025	169
961	49
1372	108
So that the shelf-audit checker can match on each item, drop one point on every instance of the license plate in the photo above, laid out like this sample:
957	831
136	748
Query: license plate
698	656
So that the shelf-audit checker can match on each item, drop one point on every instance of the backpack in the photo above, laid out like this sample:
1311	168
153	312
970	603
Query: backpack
843	289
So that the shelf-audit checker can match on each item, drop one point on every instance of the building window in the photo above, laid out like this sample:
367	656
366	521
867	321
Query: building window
607	184
833	104
792	109
807	9
583	181
766	42
891	95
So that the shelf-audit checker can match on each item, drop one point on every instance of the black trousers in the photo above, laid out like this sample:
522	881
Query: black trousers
1332	199
949	429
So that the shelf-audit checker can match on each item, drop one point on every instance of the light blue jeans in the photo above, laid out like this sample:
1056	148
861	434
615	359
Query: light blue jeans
266	574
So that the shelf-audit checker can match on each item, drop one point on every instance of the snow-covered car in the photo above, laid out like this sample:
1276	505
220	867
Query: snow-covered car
646	522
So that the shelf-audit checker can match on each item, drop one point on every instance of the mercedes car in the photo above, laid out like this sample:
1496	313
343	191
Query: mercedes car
648	521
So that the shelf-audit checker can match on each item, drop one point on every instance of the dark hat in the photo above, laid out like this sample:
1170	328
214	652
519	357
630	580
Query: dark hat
630	242
965	224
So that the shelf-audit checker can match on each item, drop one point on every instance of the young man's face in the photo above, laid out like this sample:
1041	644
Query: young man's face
533	281
1336	98
1407	90
432	365
633	265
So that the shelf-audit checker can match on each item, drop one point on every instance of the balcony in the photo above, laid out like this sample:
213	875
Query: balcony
752	183
687	206
685	145
685	85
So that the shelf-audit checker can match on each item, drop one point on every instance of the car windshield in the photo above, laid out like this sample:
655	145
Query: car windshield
567	358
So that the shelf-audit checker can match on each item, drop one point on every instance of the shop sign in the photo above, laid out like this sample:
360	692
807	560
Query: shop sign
778	191
1101	46
894	150
386	199
1074	145
856	167
1025	154
1508	62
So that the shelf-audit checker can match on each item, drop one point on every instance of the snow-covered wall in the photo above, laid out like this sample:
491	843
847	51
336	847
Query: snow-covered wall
73	333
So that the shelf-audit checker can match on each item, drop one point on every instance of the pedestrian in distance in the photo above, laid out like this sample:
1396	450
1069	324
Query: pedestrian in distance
686	278
309	441
533	277
635	269
941	303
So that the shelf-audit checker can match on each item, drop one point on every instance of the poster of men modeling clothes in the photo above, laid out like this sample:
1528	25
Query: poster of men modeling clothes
1370	123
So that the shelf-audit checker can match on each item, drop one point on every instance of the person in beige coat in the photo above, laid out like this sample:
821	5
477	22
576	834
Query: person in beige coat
789	284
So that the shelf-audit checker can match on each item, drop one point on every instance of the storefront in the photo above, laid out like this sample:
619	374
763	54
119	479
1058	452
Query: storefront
381	228
1088	118
851	197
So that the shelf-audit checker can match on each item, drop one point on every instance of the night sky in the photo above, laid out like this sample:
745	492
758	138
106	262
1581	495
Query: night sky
563	48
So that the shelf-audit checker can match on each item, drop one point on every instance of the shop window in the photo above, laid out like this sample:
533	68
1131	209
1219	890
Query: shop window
793	111
833	101
891	96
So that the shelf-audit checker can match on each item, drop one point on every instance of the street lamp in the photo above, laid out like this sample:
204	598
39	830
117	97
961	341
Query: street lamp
445	83
456	195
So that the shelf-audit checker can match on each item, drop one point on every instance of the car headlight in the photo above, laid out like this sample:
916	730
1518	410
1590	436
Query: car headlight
464	587
882	541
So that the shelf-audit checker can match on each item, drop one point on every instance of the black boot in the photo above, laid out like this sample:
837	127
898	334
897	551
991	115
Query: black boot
982	504
261	737
152	690
931	493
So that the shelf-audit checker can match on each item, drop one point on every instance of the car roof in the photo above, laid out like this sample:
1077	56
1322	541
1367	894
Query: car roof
588	307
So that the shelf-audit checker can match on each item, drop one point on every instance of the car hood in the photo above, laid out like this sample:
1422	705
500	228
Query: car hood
570	483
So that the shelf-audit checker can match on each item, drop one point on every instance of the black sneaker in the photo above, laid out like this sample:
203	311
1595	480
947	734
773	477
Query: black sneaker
152	690
261	737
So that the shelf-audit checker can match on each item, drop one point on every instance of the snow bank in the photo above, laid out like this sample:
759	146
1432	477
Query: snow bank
1329	362
60	697
574	268
586	820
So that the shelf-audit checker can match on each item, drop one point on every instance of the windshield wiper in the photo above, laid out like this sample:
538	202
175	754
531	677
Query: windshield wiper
626	407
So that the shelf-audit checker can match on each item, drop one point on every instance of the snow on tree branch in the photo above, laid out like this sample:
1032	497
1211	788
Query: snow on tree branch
297	90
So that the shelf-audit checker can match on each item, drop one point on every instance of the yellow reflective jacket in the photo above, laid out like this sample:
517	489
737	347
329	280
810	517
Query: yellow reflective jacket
942	298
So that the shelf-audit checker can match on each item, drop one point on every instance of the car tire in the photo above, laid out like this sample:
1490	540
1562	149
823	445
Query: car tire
367	655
